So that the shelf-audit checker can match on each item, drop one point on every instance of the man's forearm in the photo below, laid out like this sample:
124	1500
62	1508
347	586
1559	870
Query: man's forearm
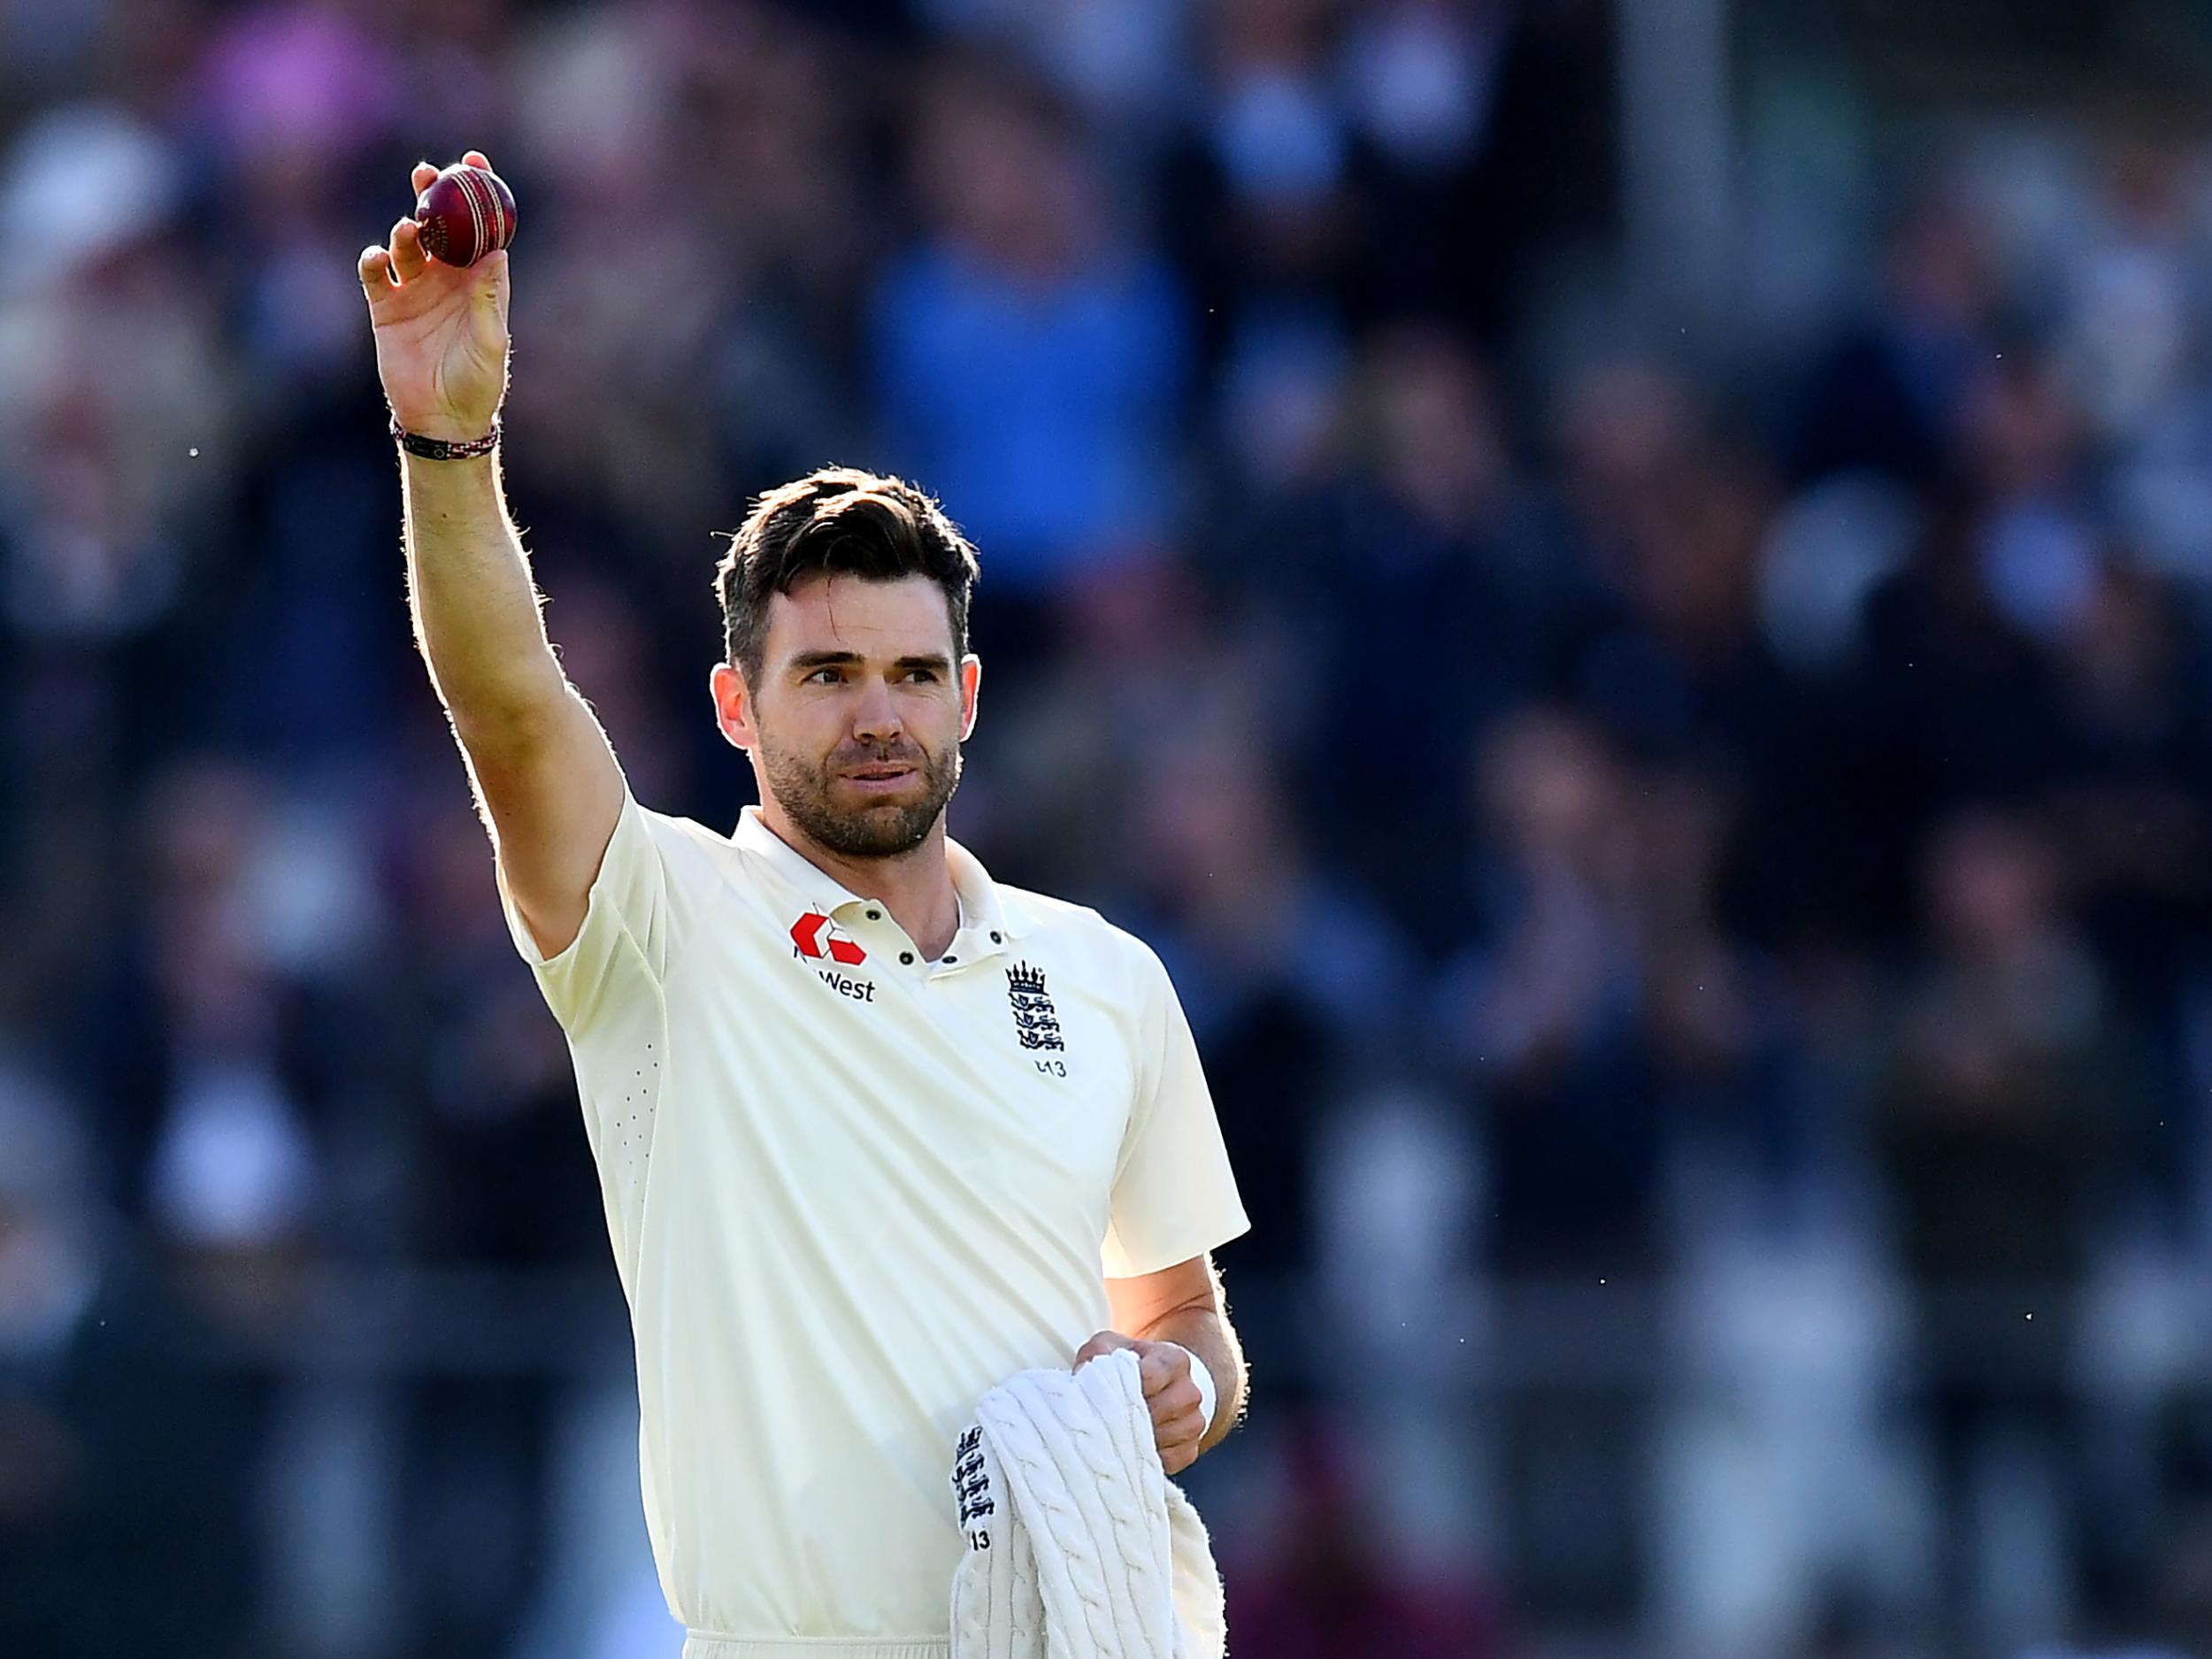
475	606
1207	1333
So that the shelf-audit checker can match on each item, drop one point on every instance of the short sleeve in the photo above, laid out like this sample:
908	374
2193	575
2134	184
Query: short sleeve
1174	1195
628	932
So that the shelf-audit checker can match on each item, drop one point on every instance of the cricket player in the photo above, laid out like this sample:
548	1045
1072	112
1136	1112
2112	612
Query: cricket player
874	1131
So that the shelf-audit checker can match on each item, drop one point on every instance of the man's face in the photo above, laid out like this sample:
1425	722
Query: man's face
856	723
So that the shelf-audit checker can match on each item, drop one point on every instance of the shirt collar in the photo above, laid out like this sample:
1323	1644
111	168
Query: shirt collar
980	907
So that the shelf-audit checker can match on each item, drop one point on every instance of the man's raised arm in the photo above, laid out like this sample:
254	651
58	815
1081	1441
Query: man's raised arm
542	771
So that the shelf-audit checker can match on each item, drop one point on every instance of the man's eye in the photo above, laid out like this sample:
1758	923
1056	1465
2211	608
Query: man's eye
825	675
924	674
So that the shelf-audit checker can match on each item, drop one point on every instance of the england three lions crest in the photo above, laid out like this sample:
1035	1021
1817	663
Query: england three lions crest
1036	1022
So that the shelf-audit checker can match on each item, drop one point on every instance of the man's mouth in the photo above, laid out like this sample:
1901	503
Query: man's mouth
874	778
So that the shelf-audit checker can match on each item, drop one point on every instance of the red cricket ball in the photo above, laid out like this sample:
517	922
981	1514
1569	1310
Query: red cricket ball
466	213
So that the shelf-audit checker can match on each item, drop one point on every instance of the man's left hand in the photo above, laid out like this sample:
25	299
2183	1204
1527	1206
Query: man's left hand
1179	1421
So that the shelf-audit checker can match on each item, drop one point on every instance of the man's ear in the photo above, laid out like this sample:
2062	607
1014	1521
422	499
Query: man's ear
971	683
733	706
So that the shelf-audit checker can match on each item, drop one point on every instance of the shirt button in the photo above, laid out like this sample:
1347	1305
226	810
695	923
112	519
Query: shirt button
950	960
875	915
907	957
997	940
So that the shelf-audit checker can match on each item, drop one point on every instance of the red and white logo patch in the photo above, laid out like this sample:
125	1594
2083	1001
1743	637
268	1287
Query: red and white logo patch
816	937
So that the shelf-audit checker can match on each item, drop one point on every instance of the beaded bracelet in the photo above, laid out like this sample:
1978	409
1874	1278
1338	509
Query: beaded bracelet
440	449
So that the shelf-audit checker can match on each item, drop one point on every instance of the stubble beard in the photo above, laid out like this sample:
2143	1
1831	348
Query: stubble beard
883	829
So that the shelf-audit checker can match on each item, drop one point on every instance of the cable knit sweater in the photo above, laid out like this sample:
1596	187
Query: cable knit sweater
1078	1545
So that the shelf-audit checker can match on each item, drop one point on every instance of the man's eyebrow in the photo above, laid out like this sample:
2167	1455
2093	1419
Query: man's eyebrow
840	659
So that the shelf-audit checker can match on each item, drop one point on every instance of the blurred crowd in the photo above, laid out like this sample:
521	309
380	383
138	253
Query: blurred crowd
1688	855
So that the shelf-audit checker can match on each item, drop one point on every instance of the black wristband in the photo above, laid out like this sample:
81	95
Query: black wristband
438	450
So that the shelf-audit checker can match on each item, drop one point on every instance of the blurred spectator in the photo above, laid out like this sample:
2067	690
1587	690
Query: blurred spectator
2129	810
1726	1039
1263	186
1291	985
1545	1014
1030	353
122	1515
1665	523
2131	333
1885	397
1432	555
114	416
1547	1022
624	446
290	99
2003	1109
2005	1129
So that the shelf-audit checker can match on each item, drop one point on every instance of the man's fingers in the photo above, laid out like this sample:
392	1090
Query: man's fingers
1185	1423
426	171
1176	1459
1104	1342
1179	1399
407	259
1178	1440
376	269
491	289
1161	1365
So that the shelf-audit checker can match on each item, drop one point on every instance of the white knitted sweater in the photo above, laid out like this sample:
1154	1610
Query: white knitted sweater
1078	1545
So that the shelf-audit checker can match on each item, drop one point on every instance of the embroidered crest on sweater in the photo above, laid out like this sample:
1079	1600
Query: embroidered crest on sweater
1036	1022
971	1484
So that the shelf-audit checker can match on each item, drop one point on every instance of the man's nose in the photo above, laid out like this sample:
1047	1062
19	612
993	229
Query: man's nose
876	719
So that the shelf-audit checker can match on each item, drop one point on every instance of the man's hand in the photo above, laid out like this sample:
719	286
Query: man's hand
440	331
1178	1420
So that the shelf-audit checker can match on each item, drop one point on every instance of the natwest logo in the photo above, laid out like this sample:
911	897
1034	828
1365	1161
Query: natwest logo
817	940
816	937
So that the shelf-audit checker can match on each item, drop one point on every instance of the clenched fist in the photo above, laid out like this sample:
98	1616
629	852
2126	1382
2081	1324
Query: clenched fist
441	330
1178	1420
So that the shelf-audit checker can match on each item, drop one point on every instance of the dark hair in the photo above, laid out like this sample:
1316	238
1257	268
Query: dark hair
837	519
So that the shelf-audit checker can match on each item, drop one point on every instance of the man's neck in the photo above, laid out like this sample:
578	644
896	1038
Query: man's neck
915	887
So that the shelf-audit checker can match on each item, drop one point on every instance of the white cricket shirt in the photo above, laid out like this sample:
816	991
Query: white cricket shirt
849	1190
